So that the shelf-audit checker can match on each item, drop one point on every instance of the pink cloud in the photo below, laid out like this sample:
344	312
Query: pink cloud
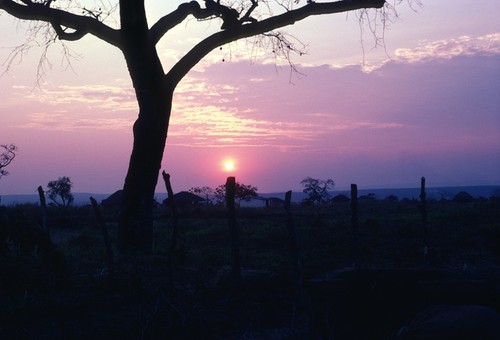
435	114
436	118
465	45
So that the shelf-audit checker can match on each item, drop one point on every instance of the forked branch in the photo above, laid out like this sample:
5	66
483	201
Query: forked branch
260	27
6	157
61	20
213	9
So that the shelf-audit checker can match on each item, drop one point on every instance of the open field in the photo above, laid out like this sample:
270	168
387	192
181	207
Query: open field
354	287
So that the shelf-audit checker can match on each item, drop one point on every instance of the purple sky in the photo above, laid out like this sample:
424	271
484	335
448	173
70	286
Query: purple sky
432	109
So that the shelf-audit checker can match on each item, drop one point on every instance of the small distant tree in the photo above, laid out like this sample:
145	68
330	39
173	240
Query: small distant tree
206	192
317	189
243	191
6	157
60	191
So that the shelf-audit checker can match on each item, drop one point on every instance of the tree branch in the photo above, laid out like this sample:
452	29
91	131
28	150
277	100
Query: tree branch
60	20
246	30
169	21
212	9
247	17
228	15
6	157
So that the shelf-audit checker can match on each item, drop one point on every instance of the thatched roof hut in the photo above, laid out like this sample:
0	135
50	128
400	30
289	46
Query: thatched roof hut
184	198
340	199
463	197
113	201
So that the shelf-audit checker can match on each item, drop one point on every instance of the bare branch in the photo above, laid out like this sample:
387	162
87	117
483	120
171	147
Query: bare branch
6	157
229	16
377	22
81	24
212	10
169	21
247	17
260	27
282	46
40	35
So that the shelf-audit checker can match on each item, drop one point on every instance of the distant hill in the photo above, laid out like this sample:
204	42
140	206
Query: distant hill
436	193
297	196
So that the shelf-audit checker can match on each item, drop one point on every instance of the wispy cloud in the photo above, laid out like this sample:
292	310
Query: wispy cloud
67	108
222	123
446	49
110	98
227	105
65	121
212	126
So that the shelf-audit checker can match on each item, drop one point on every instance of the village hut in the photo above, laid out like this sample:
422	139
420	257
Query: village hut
184	199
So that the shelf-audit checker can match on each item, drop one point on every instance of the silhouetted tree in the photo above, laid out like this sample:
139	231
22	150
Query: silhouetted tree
67	20
6	157
60	191
317	189
243	191
206	192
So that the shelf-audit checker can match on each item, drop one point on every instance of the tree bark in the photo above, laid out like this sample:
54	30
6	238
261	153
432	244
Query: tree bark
150	133
154	96
136	221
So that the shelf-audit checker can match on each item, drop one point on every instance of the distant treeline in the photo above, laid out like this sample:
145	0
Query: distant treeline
436	193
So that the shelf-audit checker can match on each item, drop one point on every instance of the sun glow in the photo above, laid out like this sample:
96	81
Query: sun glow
229	165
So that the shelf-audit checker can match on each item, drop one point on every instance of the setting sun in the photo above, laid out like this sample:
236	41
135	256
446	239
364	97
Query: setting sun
229	165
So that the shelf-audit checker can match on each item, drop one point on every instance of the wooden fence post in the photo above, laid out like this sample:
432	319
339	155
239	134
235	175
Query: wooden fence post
105	235
175	230
43	204
233	228
299	300
294	248
423	210
354	223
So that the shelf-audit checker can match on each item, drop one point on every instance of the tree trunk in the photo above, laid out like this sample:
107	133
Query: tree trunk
154	95
150	133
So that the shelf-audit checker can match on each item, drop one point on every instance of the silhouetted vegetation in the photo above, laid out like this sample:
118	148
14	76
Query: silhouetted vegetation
60	191
129	30
242	191
61	287
6	157
318	190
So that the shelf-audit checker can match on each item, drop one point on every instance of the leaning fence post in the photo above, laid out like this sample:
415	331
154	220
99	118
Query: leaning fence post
43	204
354	222
105	235
173	207
233	228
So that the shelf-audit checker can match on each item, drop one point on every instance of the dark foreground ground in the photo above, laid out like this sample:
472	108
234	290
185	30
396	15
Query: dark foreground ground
68	292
